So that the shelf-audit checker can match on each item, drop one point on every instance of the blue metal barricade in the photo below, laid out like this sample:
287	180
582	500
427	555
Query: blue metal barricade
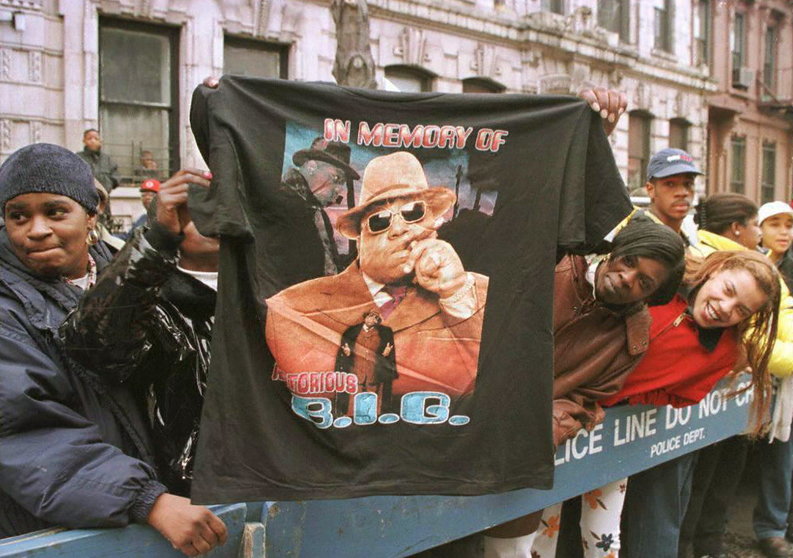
631	439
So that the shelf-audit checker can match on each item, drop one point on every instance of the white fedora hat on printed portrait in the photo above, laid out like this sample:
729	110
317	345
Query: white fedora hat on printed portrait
398	175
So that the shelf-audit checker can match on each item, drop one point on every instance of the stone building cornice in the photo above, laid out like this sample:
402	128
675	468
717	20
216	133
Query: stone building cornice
548	33
34	5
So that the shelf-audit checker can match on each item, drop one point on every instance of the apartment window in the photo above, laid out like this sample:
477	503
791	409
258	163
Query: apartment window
246	57
482	85
738	164
638	148
555	6
678	133
738	42
702	33
614	15
767	187
409	79
769	61
663	25
138	92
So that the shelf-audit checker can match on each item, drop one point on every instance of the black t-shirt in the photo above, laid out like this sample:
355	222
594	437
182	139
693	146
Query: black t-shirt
446	389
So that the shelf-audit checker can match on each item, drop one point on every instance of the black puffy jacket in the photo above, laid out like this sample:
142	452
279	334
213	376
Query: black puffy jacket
147	325
74	451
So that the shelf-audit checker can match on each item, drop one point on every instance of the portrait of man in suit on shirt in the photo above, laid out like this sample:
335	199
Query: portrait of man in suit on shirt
367	350
413	280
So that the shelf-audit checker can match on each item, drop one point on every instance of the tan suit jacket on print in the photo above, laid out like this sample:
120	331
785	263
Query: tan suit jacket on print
434	350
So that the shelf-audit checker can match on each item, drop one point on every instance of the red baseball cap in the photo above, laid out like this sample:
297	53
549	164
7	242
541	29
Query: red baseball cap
150	185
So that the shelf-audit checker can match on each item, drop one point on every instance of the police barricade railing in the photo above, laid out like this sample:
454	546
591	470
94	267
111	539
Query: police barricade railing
135	540
630	439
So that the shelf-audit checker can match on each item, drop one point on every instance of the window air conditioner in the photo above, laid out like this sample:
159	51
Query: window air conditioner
742	77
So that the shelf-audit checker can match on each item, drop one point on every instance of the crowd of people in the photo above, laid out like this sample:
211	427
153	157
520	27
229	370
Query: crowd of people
727	312
105	346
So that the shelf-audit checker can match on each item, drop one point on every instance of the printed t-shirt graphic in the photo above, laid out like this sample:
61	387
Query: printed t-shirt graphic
406	300
434	315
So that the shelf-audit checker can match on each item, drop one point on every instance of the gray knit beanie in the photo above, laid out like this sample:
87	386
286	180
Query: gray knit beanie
43	167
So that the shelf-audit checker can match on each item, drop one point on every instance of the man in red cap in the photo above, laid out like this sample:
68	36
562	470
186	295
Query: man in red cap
148	191
415	282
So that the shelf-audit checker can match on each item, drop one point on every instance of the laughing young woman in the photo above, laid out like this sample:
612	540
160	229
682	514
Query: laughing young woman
729	221
695	340
722	320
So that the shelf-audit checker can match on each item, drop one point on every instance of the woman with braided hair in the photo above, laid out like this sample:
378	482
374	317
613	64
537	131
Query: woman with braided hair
601	327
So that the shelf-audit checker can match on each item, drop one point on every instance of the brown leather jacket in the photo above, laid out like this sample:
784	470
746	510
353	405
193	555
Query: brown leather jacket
594	349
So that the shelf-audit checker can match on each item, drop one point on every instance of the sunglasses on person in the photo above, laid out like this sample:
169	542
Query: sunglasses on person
410	212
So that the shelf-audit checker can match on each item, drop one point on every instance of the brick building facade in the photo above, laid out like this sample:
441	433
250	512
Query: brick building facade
750	118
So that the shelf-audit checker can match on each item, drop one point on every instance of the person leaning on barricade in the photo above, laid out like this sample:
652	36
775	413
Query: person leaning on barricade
578	381
601	328
74	451
148	323
726	313
724	220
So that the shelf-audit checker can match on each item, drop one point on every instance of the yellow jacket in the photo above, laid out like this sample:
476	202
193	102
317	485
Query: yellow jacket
781	363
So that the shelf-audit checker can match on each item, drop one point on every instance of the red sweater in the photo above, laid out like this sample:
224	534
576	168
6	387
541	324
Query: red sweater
676	369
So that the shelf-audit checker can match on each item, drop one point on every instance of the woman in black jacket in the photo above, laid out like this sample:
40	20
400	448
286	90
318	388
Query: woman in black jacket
74	451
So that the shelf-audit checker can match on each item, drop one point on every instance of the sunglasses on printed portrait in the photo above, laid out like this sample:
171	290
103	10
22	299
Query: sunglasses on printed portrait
410	212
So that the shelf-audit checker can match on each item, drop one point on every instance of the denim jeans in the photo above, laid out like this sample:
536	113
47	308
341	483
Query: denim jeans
716	478
774	490
655	505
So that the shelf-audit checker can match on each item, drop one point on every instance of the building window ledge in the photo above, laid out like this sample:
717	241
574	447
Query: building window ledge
658	53
741	92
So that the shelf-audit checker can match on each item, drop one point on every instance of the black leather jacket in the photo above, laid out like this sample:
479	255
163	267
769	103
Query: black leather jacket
149	325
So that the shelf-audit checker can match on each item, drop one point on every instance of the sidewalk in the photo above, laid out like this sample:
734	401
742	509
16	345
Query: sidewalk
740	541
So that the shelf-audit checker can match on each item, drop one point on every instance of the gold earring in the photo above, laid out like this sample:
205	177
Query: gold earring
93	237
